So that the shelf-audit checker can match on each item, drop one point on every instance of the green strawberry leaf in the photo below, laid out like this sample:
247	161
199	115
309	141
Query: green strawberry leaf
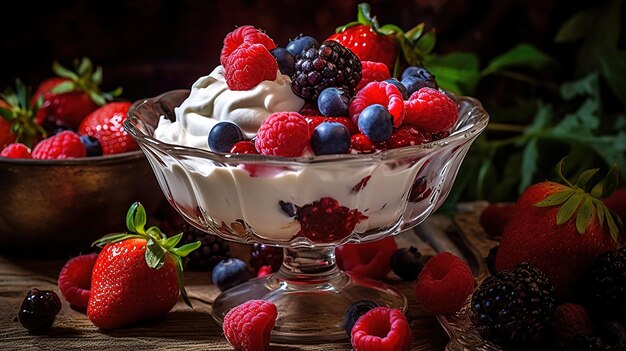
136	218
363	15
63	72
415	33
63	88
600	209
559	172
569	208
113	238
585	177
155	254
186	249
583	217
556	198
96	77
97	98
389	29
85	67
171	242
181	282
610	182
610	220
6	114
426	43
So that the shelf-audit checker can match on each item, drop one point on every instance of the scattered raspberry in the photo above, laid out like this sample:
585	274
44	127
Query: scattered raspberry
378	93
371	259
244	147
75	279
264	271
283	134
327	221
310	109
444	284
570	319
382	329
494	218
60	146
314	121
431	110
406	135
359	143
373	72
249	65
16	150
245	34
361	184
248	327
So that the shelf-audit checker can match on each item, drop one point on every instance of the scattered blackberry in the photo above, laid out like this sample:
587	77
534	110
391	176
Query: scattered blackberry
330	65
263	255
38	310
582	342
213	249
606	284
514	307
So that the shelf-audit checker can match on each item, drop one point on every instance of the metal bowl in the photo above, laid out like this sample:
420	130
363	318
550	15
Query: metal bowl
52	208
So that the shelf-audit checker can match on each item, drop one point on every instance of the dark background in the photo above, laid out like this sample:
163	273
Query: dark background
152	46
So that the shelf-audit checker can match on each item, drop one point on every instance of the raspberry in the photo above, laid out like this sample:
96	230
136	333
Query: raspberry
378	93
75	279
244	147
444	284
16	150
370	259
64	145
373	72
382	329
249	65
359	143
315	121
570	319
494	218
327	221
248	327
283	134
406	135
245	34
431	110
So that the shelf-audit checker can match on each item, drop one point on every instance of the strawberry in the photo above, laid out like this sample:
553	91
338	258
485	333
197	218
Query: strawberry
561	228
106	125
69	98
17	118
137	275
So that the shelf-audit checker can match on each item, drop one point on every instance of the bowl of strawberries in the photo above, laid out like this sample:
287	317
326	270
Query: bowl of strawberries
68	169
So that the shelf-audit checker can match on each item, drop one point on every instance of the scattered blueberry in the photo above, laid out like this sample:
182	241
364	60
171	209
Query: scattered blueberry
333	102
286	61
376	123
229	273
301	44
355	311
400	86
407	263
92	145
223	136
414	78
38	310
330	138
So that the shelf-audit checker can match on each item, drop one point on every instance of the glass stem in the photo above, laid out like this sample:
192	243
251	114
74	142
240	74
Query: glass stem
316	265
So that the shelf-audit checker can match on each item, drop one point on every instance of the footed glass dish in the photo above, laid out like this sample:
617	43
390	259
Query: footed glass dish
308	206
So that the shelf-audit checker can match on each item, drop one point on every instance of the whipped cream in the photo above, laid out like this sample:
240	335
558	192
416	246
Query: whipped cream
210	102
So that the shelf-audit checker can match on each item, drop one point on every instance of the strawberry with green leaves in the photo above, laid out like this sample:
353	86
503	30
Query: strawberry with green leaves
70	97
561	228
138	275
17	117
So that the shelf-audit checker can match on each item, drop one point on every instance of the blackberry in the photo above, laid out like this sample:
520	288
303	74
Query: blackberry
262	255
606	284
514	307
38	310
330	65
212	250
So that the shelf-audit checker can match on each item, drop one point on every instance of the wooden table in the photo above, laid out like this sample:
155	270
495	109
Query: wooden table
182	329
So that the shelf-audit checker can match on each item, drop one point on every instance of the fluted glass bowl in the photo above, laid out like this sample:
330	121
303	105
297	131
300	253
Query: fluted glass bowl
308	205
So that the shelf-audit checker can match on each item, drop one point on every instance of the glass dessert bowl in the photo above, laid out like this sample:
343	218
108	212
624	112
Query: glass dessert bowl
308	206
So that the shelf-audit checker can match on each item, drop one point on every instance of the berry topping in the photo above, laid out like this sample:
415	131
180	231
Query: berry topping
570	319
75	279
444	284
301	44
330	65
333	102
229	273
244	147
241	35
264	271
326	220
38	310
406	135
407	263
249	65
376	123
431	110
283	134
369	259
60	146
107	125
286	61
373	72
606	284
16	150
355	311
420	190
92	145
359	143
400	86
223	136
263	255
415	78
330	138
315	121
382	329
248	327
381	93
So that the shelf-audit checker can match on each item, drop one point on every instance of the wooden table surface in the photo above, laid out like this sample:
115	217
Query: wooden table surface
182	329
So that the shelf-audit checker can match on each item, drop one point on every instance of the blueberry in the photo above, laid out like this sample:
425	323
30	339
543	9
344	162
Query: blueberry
407	263
301	44
414	78
376	123
38	310
400	86
92	145
333	102
355	311
229	273
286	61
330	138
223	136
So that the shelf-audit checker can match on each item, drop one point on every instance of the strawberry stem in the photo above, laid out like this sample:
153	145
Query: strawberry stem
84	79
21	114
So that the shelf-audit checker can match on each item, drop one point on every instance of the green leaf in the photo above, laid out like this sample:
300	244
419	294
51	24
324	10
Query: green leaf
96	77
97	98
586	86
171	242
559	172
613	65
155	254
389	29
585	177
63	72
414	33
6	114
611	182
522	55
529	164
363	15
136	218
556	198
85	67
186	249
181	281
613	229
457	71
569	208
575	28
113	238
600	209
584	215
65	87
426	43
